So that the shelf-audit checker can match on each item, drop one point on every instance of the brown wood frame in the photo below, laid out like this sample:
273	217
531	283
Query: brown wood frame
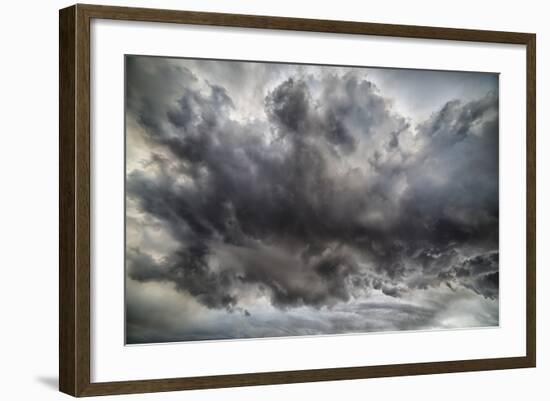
74	199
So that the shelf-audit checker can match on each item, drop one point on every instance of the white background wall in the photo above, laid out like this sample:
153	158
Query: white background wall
28	197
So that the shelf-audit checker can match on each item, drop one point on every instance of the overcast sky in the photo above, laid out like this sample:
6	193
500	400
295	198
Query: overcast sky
269	199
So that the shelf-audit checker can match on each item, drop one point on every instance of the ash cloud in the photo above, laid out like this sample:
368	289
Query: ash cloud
325	200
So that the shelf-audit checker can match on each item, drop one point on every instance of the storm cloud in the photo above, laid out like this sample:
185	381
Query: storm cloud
282	199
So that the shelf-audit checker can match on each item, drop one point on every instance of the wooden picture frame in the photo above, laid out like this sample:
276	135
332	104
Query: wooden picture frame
75	206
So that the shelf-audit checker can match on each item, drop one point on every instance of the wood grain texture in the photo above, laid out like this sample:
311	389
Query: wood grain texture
74	199
300	376
74	206
300	24
531	229
67	290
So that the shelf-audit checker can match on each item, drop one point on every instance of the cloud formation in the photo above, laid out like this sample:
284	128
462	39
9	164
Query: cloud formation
321	200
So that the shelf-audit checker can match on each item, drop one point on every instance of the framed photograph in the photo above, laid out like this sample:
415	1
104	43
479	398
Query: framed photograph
250	200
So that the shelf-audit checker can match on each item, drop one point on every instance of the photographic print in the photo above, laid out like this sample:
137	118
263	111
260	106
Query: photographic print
268	199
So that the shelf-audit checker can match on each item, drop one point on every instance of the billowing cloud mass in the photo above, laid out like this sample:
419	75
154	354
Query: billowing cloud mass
270	199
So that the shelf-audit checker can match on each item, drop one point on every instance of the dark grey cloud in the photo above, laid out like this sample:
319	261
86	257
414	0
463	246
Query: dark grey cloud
326	198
